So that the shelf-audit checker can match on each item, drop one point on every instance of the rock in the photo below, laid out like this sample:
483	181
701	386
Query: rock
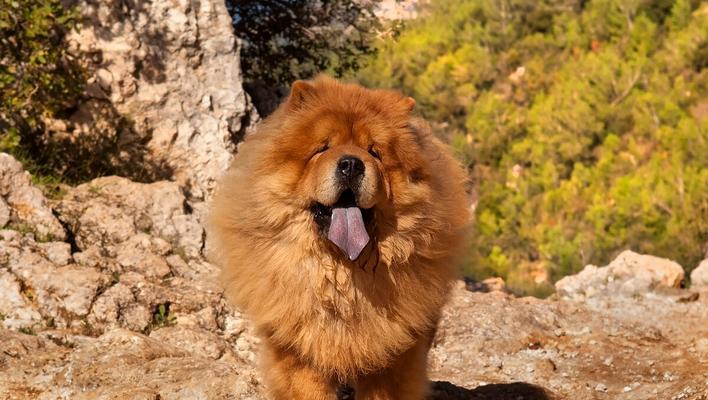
171	67
147	263
607	343
60	292
90	257
139	253
658	271
21	356
16	312
115	307
630	273
699	276
57	291
583	283
198	342
109	211
23	204
118	365
102	225
483	337
206	318
74	286
59	253
4	212
193	269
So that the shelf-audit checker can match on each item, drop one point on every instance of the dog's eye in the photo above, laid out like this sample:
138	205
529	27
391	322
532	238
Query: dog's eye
374	153
322	149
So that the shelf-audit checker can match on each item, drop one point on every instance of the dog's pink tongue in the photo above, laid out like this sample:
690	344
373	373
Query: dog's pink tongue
347	231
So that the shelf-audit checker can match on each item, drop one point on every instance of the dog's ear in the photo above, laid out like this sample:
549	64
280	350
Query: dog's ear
299	93
409	103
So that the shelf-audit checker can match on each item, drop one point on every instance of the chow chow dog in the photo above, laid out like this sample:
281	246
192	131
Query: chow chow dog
337	228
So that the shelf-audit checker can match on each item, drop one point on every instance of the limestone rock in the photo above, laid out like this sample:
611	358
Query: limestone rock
139	252
4	212
495	346
172	67
23	204
21	356
659	271
138	259
15	309
117	307
101	224
48	286
73	285
198	342
699	276
118	365
112	210
630	273
59	253
530	348
58	291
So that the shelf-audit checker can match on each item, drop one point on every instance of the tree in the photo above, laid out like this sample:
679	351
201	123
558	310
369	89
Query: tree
285	40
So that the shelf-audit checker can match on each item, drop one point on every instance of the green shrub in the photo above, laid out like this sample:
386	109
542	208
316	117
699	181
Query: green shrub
46	120
583	124
38	76
39	79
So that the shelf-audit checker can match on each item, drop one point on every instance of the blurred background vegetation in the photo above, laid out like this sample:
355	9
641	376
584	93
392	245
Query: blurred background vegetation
584	123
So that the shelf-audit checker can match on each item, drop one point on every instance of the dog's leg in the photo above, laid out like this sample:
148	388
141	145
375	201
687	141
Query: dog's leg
405	379
288	378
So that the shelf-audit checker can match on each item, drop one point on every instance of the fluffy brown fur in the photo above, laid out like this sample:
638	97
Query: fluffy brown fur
326	320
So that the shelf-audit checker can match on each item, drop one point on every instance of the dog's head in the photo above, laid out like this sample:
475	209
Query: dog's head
351	154
344	167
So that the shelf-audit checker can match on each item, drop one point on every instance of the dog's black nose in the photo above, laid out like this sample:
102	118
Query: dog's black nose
350	168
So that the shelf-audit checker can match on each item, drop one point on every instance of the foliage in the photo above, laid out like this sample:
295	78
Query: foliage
284	40
38	76
46	121
39	80
584	123
27	331
162	317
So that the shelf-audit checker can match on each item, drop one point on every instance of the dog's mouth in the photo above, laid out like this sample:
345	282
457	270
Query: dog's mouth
345	224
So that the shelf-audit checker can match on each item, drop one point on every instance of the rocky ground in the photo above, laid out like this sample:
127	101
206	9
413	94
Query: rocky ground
105	294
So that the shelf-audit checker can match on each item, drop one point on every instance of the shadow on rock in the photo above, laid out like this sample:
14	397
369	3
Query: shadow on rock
498	391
